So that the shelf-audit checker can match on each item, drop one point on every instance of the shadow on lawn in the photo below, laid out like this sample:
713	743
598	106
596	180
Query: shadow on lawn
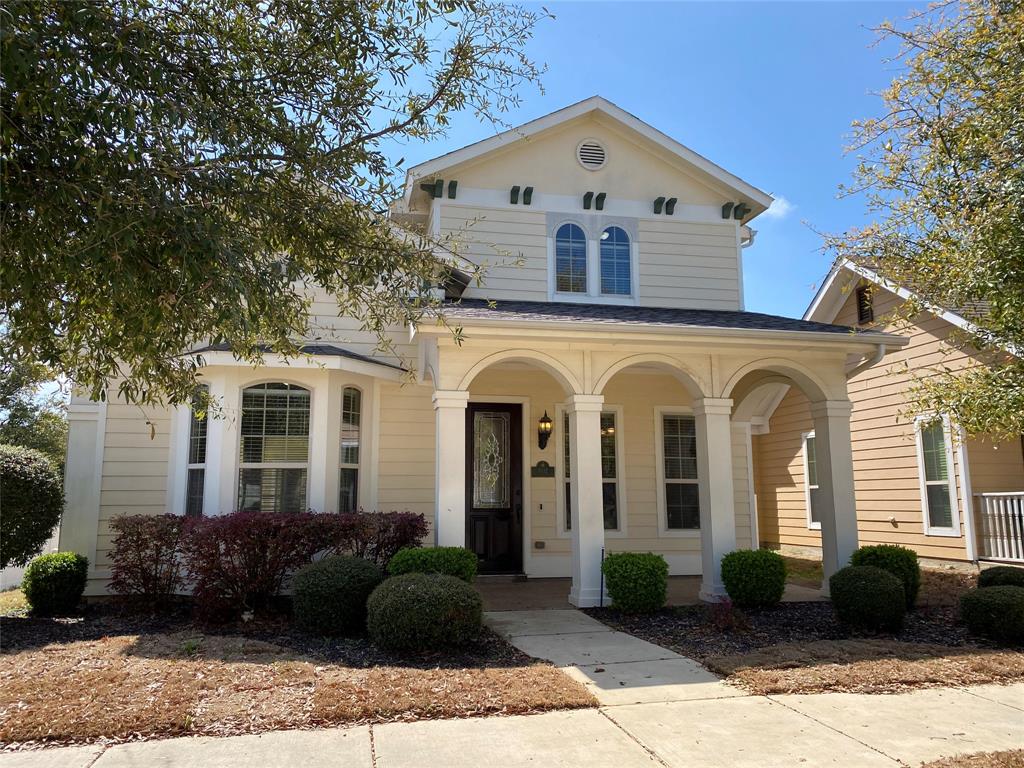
173	635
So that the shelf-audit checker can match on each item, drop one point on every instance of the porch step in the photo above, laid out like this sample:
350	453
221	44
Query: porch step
500	578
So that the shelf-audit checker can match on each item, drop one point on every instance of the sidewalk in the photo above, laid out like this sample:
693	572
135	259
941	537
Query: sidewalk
657	709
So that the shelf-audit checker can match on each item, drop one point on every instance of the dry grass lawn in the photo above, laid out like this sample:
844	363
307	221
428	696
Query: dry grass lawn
865	666
12	602
130	687
1012	759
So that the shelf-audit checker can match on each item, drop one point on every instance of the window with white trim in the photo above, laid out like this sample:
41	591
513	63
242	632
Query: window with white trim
811	480
610	488
570	259
273	464
351	414
616	263
679	472
938	482
195	474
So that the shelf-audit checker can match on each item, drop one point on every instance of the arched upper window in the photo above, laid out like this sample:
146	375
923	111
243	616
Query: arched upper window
274	448
615	263
351	415
570	259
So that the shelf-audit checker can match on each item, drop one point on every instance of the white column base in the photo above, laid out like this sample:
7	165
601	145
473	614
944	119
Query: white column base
712	593
588	597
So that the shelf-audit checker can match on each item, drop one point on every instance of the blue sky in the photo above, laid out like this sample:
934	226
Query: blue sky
767	90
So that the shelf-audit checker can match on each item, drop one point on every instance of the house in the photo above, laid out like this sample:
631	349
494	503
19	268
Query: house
603	397
921	485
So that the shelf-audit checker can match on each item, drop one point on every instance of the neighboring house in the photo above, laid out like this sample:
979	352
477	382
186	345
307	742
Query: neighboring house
919	485
604	400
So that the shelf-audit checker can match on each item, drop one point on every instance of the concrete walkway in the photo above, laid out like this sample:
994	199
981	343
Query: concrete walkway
658	709
828	729
617	668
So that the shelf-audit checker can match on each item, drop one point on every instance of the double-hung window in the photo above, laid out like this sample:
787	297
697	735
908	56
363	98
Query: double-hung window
680	486
609	471
195	482
570	259
811	481
274	448
938	483
351	413
616	263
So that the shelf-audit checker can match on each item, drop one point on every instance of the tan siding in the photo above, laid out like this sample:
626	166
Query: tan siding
405	470
688	265
886	474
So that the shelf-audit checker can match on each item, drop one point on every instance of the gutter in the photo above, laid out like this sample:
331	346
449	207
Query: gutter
662	330
867	362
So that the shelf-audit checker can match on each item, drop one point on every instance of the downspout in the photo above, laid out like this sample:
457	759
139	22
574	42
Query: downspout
750	240
875	359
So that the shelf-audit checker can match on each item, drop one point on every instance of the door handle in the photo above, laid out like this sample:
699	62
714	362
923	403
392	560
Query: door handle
519	513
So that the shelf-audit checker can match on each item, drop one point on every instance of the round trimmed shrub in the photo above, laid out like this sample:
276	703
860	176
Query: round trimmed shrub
636	581
995	612
451	561
899	561
754	578
423	612
1001	576
330	595
53	584
866	597
32	500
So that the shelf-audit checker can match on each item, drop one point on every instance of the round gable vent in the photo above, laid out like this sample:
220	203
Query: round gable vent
591	155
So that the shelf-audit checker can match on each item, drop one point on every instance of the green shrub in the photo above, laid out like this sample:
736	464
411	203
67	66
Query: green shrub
899	561
451	561
867	597
53	584
31	500
636	581
754	578
995	612
330	595
1001	576
423	612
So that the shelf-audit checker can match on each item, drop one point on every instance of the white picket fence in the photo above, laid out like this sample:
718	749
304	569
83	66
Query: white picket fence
1001	534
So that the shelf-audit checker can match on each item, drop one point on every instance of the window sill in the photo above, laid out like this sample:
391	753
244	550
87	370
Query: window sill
679	533
948	533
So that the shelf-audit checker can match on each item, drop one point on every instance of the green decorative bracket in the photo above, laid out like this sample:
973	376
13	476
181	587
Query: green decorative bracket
658	203
514	197
428	186
670	206
740	211
599	201
453	187
727	210
587	198
527	195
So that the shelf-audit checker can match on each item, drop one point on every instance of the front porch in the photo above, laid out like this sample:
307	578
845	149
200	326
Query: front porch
506	593
645	445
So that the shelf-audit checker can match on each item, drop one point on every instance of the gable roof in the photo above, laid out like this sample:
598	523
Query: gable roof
844	273
698	164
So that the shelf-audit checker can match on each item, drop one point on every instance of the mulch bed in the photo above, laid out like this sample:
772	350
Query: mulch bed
802	648
113	677
1013	758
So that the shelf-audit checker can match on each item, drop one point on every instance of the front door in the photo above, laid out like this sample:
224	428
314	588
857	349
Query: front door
494	486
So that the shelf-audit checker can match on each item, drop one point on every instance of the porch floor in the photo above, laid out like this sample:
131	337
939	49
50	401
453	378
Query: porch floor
507	594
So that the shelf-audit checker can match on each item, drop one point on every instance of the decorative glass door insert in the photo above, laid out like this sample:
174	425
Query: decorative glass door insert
491	486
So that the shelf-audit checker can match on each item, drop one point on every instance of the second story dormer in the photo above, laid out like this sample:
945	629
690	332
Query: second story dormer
589	204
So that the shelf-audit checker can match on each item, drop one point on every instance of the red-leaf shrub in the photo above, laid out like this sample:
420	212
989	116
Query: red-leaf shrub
242	560
146	558
377	536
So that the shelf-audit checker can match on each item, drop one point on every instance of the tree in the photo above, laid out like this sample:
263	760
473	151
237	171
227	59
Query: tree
944	168
28	416
32	498
174	171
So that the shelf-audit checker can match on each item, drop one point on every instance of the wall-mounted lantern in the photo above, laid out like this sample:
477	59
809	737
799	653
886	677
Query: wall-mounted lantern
543	431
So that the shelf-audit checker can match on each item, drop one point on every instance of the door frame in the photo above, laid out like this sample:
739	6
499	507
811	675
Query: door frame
526	419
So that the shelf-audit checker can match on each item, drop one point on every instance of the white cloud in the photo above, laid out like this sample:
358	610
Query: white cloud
780	208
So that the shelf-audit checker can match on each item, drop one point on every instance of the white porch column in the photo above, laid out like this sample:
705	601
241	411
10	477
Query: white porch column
586	503
220	487
450	467
324	423
837	508
717	503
